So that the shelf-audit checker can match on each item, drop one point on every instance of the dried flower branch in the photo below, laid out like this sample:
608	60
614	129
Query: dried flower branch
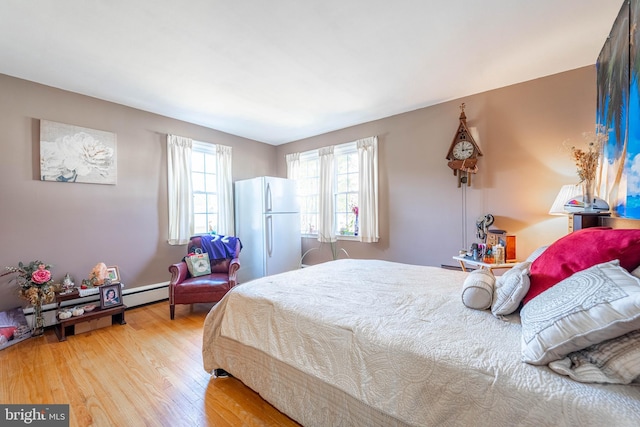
587	159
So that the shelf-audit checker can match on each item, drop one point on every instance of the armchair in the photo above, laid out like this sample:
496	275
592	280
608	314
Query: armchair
185	289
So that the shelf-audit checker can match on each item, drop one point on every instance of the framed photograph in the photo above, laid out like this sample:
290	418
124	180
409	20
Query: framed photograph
114	274
110	296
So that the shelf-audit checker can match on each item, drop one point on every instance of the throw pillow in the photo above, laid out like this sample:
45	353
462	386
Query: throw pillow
579	250
591	306
510	288
7	331
477	289
615	361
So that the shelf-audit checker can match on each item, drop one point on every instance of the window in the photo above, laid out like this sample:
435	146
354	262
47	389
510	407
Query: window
346	186
308	183
199	189
338	190
204	178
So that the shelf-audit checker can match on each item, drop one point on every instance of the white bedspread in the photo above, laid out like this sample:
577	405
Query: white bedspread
398	338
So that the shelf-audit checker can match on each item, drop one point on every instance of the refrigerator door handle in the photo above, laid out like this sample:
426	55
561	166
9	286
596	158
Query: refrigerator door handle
269	199
269	219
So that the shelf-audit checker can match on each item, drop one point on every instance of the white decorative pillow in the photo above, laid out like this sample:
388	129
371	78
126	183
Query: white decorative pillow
477	289
510	289
615	361
591	306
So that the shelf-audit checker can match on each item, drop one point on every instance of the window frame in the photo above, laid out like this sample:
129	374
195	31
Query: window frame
341	151
308	156
206	149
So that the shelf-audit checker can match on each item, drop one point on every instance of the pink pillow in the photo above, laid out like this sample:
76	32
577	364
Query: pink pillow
580	250
7	331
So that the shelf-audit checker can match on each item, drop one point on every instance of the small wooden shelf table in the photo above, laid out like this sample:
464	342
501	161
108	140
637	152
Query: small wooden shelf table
463	260
116	313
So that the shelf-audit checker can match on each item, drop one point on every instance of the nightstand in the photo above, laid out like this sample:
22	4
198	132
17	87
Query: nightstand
464	261
580	220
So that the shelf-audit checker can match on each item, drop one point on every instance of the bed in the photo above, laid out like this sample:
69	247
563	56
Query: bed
379	343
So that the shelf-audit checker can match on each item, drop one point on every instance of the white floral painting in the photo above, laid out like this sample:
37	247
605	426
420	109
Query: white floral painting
75	154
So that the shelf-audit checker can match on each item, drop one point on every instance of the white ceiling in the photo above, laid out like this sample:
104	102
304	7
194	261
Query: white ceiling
282	70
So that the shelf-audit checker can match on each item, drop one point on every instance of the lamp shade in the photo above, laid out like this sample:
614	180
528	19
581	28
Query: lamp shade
566	193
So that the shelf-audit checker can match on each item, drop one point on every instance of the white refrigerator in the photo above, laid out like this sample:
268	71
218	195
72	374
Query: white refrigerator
267	220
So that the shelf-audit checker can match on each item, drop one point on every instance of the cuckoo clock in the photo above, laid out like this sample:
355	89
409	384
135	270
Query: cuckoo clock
464	152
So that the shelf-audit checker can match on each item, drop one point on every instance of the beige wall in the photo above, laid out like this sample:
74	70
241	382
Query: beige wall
75	226
522	129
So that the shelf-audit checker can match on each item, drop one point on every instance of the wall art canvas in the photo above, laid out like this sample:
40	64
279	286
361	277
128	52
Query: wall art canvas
75	154
618	113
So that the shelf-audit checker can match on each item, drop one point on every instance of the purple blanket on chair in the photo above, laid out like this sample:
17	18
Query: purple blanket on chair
218	246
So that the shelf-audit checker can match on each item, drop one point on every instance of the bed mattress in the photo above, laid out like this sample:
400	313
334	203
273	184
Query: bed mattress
370	342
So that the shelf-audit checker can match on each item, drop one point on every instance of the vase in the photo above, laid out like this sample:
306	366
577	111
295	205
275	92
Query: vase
38	319
355	227
588	188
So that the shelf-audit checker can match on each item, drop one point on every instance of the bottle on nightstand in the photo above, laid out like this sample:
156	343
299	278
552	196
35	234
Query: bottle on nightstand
498	251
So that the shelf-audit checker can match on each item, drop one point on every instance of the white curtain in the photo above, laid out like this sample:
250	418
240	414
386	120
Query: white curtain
293	165
368	193
179	189
225	191
326	228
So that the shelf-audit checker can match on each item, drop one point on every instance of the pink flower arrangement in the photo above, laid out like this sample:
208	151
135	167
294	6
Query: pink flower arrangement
34	280
355	211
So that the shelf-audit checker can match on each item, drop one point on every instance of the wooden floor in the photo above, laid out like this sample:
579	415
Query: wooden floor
145	373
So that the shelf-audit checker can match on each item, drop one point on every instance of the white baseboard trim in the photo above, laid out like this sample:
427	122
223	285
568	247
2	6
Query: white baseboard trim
131	297
145	294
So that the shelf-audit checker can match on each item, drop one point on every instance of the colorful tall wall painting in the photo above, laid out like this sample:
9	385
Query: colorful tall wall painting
618	112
